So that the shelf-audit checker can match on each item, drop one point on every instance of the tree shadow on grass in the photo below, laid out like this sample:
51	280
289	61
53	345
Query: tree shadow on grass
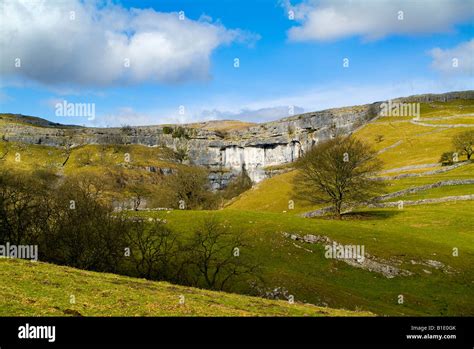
363	215
371	215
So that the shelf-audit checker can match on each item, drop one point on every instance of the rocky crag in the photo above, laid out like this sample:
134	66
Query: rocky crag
256	148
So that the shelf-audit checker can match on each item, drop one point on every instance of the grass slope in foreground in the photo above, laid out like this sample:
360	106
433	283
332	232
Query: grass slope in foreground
41	289
407	238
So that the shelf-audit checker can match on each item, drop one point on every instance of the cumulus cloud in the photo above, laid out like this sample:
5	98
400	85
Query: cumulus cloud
88	43
454	61
330	20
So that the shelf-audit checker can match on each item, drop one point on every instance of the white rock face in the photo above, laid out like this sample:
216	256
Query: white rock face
256	158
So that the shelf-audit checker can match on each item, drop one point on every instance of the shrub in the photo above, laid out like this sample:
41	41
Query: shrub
447	158
167	130
179	132
237	186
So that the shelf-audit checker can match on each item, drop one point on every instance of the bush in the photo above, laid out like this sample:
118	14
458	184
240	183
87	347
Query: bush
379	138
126	130
23	207
67	221
180	132
221	134
154	250
181	153
189	187
447	158
237	186
167	130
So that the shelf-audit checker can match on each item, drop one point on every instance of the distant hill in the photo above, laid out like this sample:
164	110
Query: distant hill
32	120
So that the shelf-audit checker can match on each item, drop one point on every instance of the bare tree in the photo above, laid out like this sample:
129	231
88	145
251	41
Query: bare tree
339	172
21	207
154	248
464	143
215	252
67	146
190	185
6	149
139	191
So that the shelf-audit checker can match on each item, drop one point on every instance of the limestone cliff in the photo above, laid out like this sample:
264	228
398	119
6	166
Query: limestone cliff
225	153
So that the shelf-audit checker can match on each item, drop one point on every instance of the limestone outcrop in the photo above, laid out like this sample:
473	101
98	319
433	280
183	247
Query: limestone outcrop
225	153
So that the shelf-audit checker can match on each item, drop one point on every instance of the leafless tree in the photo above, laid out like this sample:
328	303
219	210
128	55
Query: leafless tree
219	255
339	172
464	143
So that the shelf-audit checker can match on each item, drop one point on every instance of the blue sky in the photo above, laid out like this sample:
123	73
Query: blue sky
284	62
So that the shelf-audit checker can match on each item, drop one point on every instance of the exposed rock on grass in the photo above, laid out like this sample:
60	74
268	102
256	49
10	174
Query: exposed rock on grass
369	262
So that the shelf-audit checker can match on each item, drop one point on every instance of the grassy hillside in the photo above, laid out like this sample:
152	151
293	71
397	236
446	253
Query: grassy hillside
417	239
415	144
27	120
271	195
222	125
117	167
99	157
41	289
403	144
407	239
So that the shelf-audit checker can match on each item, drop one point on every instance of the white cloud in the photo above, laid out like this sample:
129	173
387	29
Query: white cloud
130	116
52	102
268	113
94	47
124	116
330	20
454	61
127	115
